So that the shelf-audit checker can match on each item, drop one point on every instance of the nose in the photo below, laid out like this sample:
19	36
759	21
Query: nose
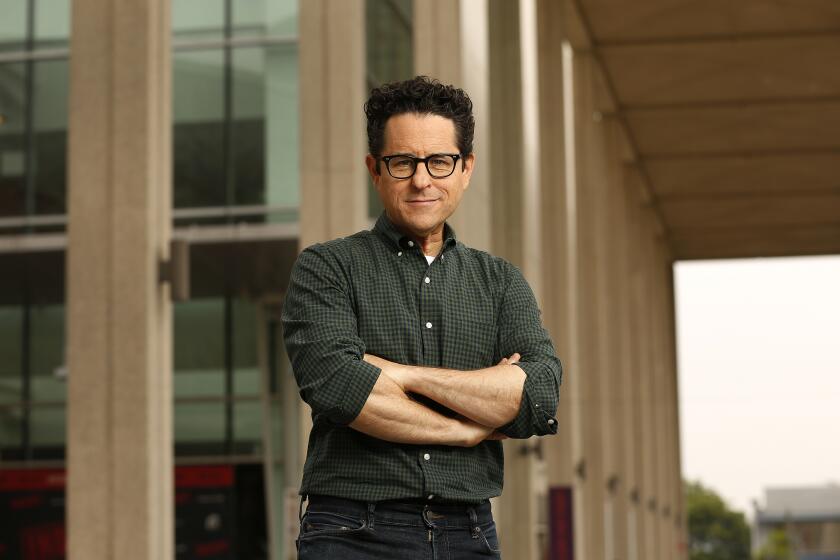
421	178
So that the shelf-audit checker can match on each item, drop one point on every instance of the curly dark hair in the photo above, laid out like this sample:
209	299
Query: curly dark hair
422	95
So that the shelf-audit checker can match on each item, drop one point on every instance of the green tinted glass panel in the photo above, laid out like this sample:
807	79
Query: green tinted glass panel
390	55
12	140
12	25
282	106
198	19
11	421
52	23
248	421
48	426
49	160
198	141
198	349
47	356
389	40
276	18
265	121
11	340
200	423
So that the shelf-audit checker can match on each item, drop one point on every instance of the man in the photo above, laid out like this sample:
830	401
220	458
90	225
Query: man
416	353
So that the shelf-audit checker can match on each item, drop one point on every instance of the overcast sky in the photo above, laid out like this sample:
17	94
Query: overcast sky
759	374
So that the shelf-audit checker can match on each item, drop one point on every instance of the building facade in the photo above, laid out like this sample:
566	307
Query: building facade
235	130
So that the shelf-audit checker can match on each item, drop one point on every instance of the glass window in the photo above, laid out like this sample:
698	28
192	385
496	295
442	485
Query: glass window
198	19
13	25
265	121
198	140
52	23
265	17
47	361
11	344
389	41
12	139
49	157
390	55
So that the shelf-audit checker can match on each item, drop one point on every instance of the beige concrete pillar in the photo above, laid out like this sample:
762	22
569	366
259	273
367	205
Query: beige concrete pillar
636	415
590	223
618	371
451	45
333	180
333	139
120	468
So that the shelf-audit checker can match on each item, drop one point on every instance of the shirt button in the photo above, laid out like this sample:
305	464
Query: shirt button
428	325
431	496
427	280
426	456
551	421
411	243
399	254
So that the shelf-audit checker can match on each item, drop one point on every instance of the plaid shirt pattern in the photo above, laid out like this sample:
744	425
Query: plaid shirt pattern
374	292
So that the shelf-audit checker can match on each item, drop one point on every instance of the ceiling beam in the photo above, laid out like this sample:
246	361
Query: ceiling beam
718	37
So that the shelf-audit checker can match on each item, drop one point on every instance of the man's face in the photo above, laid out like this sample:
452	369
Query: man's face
420	204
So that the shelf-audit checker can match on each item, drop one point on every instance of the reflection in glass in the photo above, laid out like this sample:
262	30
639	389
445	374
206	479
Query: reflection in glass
390	55
198	139
12	139
48	425
47	355
265	117
11	345
277	18
198	19
389	42
49	157
199	349
52	23
12	26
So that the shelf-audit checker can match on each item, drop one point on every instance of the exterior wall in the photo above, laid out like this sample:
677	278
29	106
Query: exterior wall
555	192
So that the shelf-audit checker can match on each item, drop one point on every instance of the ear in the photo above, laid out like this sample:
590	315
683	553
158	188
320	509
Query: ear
372	165
467	169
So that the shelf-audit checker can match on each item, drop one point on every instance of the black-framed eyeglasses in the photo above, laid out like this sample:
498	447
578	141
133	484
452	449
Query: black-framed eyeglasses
439	166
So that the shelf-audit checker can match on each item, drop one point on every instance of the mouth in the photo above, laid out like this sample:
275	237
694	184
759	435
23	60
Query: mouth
425	202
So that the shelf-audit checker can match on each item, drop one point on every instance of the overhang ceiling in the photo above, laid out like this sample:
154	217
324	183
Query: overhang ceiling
733	107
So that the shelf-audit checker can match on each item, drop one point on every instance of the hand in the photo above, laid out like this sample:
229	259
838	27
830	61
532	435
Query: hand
514	358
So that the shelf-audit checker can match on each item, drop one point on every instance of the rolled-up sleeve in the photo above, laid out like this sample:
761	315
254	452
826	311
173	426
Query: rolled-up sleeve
521	330
320	331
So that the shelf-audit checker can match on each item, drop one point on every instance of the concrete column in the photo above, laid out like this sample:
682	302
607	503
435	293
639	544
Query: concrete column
333	180
451	45
589	163
332	127
619	372
120	467
636	415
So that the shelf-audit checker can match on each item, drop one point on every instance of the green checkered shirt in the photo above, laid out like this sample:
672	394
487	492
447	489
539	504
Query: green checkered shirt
374	292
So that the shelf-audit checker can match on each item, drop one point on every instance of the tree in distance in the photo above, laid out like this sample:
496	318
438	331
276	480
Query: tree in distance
715	532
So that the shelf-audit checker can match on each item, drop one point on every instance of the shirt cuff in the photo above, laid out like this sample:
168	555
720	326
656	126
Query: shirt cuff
536	410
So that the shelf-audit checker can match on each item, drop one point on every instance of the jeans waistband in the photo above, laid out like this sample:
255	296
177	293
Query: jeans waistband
407	511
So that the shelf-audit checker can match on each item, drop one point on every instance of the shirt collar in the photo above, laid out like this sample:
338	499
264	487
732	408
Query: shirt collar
389	231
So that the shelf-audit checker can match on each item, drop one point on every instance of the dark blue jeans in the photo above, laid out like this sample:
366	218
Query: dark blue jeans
334	528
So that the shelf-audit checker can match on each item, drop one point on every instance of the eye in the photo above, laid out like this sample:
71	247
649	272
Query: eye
402	163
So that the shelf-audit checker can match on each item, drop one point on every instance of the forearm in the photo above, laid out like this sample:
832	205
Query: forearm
389	414
490	396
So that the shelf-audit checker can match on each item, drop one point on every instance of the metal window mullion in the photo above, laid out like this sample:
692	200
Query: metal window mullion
227	127
229	366
26	367
29	115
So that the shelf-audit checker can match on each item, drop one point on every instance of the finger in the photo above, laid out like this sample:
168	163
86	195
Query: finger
497	436
503	361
